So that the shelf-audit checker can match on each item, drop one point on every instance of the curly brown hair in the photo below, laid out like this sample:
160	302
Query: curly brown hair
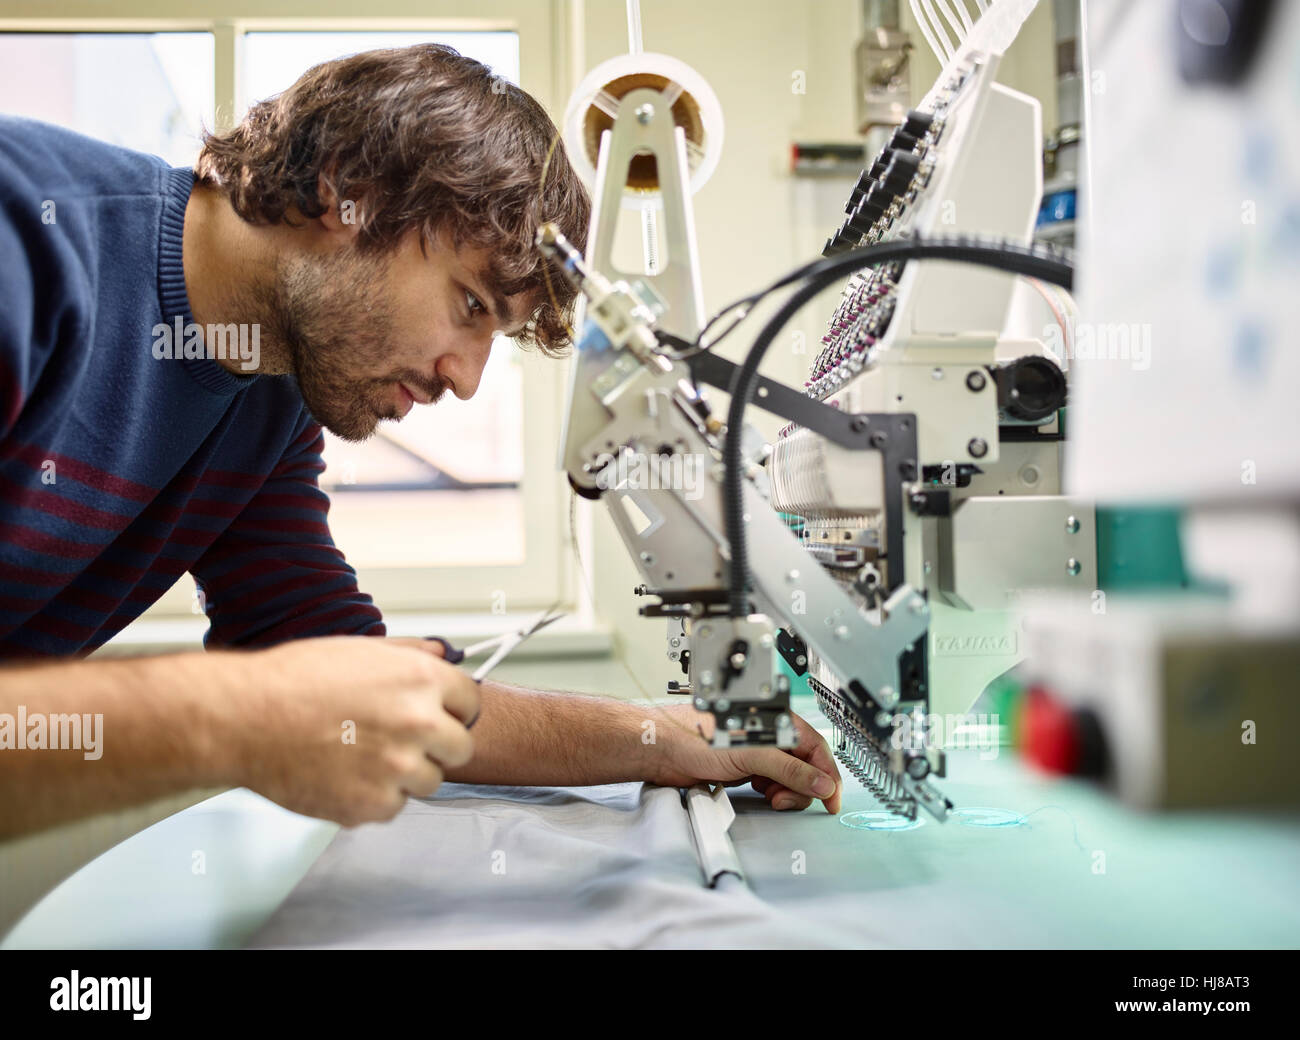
421	138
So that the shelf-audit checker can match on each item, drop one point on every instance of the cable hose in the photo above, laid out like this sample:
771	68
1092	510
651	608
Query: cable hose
1012	257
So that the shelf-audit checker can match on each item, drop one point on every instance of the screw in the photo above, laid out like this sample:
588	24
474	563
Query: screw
645	113
1072	524
879	439
648	559
792	576
882	718
857	424
918	768
737	661
706	631
975	382
674	641
1073	566
722	705
842	632
706	678
977	448
936	374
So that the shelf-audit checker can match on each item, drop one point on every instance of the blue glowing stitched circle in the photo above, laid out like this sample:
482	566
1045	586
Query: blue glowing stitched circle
979	816
879	820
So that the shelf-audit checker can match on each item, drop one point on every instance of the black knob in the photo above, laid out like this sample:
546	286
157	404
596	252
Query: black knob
904	142
905	161
917	123
898	177
864	216
1030	388
1094	755
880	196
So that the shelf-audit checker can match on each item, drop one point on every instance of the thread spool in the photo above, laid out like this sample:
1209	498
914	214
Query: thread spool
695	109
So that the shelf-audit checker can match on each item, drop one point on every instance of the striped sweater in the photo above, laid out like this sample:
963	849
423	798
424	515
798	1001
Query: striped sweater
121	470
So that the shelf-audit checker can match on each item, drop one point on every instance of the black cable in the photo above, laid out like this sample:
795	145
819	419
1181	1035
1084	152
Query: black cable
1014	258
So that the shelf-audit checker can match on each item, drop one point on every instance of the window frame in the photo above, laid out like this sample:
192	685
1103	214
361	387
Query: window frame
547	574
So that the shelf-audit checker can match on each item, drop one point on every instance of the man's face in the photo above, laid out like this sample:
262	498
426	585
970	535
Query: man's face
370	336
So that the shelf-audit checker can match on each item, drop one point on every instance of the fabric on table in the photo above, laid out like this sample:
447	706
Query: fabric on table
610	866
616	867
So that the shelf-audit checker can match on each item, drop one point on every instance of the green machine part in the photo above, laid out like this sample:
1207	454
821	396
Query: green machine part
1139	549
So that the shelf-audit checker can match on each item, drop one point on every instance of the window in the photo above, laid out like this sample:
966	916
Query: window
441	488
147	91
458	507
273	60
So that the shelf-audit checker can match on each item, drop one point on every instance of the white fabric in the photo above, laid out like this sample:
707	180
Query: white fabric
610	866
615	867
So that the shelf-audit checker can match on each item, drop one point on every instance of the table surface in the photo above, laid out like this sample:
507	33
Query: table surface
1080	871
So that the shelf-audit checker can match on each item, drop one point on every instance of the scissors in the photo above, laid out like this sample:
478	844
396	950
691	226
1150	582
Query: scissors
505	644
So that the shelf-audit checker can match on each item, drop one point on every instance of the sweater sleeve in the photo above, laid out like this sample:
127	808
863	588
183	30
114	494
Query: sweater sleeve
275	573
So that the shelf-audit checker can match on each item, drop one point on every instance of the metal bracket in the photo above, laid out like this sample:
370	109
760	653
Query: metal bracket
837	426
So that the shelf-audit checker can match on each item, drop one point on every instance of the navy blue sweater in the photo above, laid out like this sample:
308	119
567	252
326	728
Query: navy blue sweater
121	470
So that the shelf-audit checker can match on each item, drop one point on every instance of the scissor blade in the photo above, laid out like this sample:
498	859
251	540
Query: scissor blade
485	644
542	622
509	643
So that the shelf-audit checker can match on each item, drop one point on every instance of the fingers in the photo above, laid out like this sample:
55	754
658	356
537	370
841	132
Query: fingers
446	741
793	779
813	749
461	695
797	777
779	796
423	778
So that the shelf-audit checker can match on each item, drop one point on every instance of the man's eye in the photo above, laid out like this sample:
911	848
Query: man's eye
474	303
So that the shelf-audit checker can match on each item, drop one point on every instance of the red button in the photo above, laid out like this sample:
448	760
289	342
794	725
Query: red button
1049	733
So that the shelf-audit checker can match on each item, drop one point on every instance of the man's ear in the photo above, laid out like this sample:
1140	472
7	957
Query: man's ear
341	216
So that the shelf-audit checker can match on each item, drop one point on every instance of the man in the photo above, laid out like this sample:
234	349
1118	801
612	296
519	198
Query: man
368	232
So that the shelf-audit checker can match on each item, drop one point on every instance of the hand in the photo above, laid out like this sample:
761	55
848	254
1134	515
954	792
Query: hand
347	727
787	779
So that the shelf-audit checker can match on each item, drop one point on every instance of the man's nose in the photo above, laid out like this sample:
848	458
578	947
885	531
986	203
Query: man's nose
463	367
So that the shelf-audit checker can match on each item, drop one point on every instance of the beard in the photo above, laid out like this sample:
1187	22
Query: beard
332	317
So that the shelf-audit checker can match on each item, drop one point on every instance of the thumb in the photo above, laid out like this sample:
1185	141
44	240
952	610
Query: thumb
791	772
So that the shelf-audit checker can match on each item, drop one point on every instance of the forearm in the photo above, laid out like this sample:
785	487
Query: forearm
533	738
146	727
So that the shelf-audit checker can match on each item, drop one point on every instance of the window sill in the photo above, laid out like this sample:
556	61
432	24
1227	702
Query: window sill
569	637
